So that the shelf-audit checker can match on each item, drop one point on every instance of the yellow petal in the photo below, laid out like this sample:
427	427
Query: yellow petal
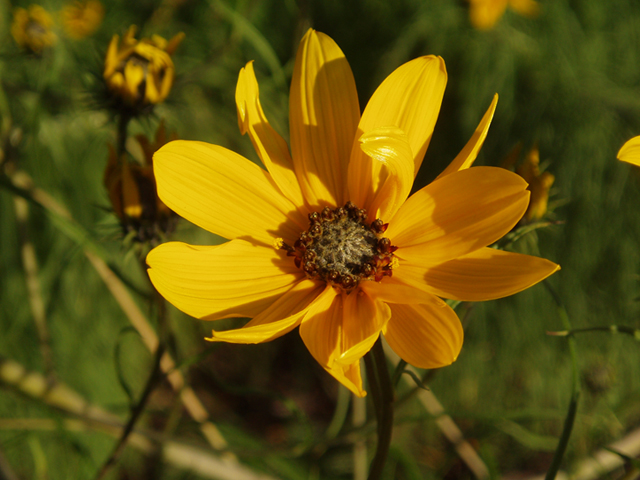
341	328
397	289
224	193
174	43
270	146
132	206
484	14
630	151
409	99
279	318
390	147
349	376
485	274
470	151
323	116
235	279
133	76
427	336
527	8
457	214
111	58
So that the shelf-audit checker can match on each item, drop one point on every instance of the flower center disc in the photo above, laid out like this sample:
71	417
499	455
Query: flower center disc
341	249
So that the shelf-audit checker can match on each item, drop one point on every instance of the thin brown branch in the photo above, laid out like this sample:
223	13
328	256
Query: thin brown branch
191	402
445	423
31	271
92	417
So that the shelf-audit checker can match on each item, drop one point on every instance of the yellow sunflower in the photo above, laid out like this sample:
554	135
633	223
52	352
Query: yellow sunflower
630	151
131	187
31	28
140	72
539	182
81	19
484	14
325	238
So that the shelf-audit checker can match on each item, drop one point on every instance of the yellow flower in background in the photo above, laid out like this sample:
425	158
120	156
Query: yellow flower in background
140	73
82	18
630	151
539	182
31	29
325	238
484	14
132	191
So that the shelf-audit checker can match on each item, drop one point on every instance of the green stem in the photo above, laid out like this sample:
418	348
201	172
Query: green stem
383	397
136	411
569	420
121	136
634	332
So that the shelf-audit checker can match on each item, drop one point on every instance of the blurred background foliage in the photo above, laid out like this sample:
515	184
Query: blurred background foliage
568	82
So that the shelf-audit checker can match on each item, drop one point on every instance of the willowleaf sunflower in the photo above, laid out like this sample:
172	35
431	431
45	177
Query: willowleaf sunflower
327	238
484	14
140	73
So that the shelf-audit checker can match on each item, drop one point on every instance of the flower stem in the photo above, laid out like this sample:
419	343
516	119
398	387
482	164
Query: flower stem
121	137
383	398
575	393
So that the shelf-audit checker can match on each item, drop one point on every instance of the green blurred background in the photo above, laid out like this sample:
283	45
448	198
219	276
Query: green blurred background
568	82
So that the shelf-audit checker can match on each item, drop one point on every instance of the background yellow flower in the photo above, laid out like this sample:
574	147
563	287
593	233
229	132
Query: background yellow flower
81	19
140	73
31	28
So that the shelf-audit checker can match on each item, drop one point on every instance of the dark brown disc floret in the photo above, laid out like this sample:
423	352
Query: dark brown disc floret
342	249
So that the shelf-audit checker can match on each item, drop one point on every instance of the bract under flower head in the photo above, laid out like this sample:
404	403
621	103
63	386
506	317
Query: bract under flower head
140	73
435	240
132	191
31	29
81	19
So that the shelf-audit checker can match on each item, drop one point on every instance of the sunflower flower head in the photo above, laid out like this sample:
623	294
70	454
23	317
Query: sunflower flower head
139	73
81	19
132	191
539	182
31	29
484	14
326	238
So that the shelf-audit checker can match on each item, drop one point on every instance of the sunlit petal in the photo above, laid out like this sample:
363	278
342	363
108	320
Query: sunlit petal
630	151
271	147
341	328
428	335
323	116
409	99
235	279
349	376
485	274
224	193
279	318
390	147
457	214
468	154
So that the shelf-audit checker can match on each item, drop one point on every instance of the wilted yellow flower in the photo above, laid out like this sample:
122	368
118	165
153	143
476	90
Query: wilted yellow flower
31	29
82	18
484	14
630	151
325	238
132	191
140	73
539	182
